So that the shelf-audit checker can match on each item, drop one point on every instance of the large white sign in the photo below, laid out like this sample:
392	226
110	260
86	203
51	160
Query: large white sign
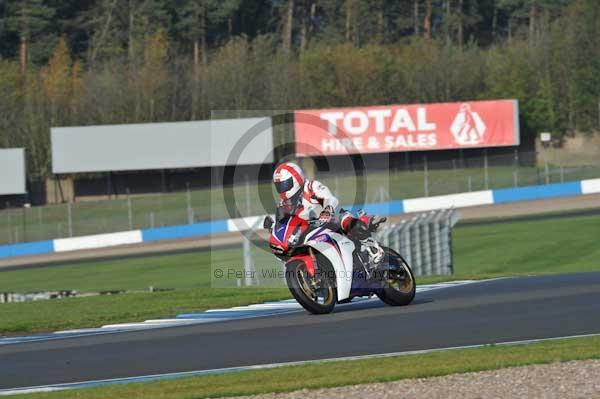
12	171
162	145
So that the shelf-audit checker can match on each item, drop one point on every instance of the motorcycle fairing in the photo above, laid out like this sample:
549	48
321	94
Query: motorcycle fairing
338	249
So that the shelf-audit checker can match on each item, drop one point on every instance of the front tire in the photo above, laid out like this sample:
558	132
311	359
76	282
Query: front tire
317	294
398	284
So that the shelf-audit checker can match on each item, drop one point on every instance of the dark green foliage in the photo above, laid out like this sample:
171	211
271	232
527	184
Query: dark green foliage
159	60
33	21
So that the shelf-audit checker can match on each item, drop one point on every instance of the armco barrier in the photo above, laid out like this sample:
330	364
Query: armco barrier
390	208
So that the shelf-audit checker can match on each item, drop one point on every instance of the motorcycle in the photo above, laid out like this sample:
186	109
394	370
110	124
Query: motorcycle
324	267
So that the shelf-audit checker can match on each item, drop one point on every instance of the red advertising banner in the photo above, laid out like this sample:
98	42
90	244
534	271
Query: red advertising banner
420	127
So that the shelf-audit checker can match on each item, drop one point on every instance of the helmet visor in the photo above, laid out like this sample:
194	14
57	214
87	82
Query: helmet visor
284	185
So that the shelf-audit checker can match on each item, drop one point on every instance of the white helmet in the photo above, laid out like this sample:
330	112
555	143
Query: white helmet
288	179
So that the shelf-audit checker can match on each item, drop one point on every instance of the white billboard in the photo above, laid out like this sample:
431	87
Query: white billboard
12	171
162	145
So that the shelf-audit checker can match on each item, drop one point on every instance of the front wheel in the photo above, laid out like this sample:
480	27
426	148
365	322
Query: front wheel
398	282
317	293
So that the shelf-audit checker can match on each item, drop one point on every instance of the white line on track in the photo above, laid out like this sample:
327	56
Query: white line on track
198	373
209	316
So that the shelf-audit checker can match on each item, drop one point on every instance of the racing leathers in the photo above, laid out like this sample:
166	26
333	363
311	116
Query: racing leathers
318	202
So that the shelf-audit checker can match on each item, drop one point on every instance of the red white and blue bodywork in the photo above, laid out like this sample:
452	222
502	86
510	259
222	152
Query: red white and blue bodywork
290	232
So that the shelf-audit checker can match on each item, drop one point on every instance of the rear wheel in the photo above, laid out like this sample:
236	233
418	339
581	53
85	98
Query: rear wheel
317	293
398	284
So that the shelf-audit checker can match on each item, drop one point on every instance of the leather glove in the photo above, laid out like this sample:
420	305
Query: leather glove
375	222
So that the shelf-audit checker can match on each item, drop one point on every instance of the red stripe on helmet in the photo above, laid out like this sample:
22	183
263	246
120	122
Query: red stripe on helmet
293	171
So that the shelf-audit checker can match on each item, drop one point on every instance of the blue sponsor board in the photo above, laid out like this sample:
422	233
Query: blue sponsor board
382	208
26	248
184	231
536	192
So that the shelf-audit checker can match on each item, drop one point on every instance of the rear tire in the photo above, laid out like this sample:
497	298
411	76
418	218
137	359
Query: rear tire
398	287
316	294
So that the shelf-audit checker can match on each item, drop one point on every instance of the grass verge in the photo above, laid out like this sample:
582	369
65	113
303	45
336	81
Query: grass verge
341	373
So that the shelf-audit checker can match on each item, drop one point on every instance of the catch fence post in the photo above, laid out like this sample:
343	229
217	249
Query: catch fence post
129	210
425	177
160	210
456	179
248	209
250	273
190	210
69	219
247	261
516	170
24	210
9	225
486	176
40	217
562	174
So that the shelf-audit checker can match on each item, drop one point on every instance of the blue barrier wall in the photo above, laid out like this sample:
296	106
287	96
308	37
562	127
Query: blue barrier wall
536	192
184	231
383	208
27	248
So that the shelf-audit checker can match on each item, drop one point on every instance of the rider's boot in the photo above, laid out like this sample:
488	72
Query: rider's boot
373	250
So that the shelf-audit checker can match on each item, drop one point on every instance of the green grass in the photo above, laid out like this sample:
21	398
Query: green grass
559	245
187	275
60	314
51	221
347	372
184	271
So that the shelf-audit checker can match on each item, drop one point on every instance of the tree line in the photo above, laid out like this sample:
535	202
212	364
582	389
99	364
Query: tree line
81	62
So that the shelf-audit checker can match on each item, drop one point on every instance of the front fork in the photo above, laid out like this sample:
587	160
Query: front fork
307	259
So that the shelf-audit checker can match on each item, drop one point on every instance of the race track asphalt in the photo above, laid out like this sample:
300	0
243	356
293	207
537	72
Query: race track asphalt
488	312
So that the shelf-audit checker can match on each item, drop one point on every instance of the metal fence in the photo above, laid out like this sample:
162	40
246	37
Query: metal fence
398	180
425	241
419	177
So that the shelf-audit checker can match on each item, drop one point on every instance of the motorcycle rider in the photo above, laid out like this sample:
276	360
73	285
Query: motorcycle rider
311	200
